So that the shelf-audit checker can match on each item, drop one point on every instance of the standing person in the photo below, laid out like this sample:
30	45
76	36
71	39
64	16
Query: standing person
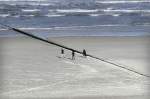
84	53
73	55
62	53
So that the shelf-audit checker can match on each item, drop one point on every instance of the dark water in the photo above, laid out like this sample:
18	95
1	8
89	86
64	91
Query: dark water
77	18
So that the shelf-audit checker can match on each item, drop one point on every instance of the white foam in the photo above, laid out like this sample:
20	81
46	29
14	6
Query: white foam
126	10
95	15
38	4
35	28
4	15
115	15
69	27
3	29
30	10
41	4
123	1
75	10
89	26
54	15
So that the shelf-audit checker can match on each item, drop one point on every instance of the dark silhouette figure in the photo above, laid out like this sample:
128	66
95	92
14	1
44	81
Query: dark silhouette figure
84	53
73	55
62	52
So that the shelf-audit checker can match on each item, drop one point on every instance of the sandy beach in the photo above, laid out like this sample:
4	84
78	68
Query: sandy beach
32	69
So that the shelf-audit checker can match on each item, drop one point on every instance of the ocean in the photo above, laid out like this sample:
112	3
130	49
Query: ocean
76	18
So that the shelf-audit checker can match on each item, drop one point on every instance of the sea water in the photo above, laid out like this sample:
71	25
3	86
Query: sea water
76	18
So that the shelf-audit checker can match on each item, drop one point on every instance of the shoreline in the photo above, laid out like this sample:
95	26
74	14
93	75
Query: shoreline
97	36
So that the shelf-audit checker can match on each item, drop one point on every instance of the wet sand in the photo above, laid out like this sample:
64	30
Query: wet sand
32	69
